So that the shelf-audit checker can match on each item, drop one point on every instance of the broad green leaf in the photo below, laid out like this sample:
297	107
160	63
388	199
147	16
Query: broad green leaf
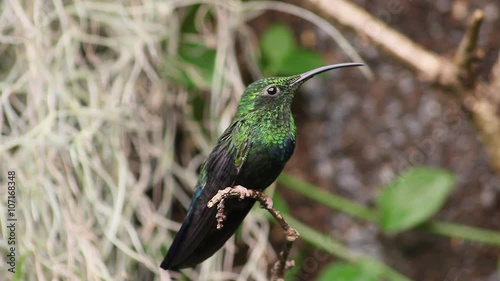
413	197
361	271
276	43
299	61
281	54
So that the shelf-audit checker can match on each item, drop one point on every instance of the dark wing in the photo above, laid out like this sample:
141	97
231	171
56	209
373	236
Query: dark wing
220	171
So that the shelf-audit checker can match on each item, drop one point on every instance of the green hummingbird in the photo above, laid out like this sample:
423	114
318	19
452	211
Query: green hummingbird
251	152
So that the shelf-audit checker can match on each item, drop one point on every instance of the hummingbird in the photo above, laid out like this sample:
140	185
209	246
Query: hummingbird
251	152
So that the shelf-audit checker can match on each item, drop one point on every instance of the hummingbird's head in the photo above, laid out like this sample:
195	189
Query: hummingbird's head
276	93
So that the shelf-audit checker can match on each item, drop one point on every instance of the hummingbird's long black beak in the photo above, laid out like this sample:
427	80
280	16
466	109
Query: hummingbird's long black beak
306	75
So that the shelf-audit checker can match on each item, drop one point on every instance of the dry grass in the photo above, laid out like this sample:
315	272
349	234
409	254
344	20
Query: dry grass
89	126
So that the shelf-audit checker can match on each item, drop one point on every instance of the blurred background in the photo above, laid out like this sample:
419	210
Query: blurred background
108	108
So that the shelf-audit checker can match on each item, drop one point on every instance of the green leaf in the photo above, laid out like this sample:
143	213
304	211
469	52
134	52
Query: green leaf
361	271
329	245
188	24
281	56
276	43
193	68
298	61
203	60
413	197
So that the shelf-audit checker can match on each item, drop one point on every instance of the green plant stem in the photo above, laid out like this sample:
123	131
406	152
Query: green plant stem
328	199
365	213
322	241
462	231
335	248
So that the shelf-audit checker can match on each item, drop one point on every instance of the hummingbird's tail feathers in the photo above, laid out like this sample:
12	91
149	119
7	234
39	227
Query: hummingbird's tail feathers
192	245
174	256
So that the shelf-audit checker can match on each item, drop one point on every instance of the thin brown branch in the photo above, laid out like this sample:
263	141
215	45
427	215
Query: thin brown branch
484	104
466	50
282	264
432	67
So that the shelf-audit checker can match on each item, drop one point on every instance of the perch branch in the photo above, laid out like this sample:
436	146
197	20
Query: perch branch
455	75
282	264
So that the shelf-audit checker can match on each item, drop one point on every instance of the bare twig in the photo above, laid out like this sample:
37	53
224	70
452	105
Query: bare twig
484	104
466	50
432	66
282	264
455	75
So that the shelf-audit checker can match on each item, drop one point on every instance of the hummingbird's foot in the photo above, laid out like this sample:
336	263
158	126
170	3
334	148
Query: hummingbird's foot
221	212
243	191
236	191
220	216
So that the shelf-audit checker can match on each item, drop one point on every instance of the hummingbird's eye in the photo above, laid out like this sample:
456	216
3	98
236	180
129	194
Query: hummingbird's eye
272	91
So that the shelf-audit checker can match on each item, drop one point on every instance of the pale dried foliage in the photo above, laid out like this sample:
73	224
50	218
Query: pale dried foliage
89	124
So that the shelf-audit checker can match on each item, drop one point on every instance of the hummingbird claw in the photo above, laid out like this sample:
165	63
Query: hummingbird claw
243	191
221	217
240	191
